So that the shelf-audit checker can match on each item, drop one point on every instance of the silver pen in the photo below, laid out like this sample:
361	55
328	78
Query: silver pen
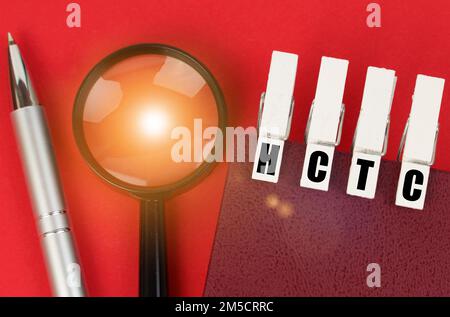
43	181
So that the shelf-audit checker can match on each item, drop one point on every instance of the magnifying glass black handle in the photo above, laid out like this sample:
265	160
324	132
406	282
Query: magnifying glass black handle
152	269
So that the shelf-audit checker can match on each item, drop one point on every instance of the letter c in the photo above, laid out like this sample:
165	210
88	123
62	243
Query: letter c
314	174
408	192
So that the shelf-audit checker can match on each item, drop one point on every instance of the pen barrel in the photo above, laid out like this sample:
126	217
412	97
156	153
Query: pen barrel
48	201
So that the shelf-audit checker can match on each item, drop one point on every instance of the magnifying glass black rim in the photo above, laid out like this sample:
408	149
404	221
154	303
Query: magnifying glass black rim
80	101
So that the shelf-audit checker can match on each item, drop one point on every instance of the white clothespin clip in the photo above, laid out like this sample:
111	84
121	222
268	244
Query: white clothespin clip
275	115
324	128
419	142
371	135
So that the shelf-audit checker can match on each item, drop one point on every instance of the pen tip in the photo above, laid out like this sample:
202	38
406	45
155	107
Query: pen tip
10	39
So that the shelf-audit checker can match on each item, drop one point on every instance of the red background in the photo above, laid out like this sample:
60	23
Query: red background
235	40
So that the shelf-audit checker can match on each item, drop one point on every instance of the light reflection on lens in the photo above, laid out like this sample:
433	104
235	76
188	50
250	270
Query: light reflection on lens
153	122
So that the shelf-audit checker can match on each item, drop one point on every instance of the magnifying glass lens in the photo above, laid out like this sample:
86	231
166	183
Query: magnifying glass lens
141	116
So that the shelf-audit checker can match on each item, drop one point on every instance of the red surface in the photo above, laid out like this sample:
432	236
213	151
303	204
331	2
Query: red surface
234	39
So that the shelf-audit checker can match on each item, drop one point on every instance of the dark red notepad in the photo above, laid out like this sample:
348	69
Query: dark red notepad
284	240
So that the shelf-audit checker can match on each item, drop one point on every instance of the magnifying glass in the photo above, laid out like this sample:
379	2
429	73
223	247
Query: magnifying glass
134	120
